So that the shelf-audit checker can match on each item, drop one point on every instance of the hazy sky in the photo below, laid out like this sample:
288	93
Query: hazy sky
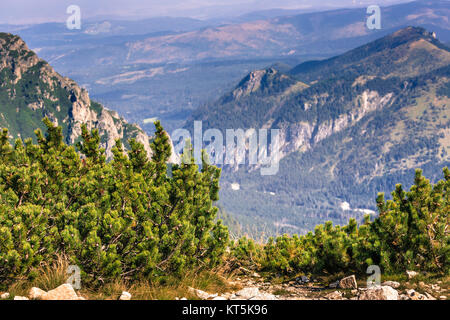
33	11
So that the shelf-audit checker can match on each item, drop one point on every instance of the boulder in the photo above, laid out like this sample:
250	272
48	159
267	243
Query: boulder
20	298
125	296
36	293
63	292
379	293
348	283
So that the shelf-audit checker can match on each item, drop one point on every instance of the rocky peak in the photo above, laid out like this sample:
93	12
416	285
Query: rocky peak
264	81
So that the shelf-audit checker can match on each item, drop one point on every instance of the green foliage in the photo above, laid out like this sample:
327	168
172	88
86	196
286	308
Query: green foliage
128	218
413	226
411	232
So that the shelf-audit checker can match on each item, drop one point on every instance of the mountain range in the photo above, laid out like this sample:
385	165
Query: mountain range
166	67
351	126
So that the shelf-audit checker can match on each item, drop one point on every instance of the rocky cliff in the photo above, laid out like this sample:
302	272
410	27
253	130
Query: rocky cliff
31	89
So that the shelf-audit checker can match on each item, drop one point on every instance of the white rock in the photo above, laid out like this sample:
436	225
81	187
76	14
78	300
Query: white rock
435	287
4	295
183	298
199	293
125	296
392	284
36	293
219	298
264	296
443	297
63	292
411	274
248	293
379	293
20	298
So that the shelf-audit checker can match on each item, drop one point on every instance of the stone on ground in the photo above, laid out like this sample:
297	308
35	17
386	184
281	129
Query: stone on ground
125	296
348	283
199	293
411	274
392	284
379	293
247	293
335	295
36	293
63	292
4	295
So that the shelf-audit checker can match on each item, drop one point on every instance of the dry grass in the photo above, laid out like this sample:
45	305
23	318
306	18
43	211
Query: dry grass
167	288
49	276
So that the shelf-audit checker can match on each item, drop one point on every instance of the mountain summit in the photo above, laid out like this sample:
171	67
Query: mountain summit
31	89
407	52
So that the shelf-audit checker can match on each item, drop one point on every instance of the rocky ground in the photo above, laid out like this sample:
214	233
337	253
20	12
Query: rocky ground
305	288
252	286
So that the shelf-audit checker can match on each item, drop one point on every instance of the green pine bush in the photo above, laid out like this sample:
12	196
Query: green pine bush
410	233
131	217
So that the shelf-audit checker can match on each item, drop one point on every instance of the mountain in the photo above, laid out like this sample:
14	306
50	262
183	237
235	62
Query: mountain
166	68
289	35
30	89
351	126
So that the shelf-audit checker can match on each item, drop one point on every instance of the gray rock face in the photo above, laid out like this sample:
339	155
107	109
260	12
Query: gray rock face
379	293
348	283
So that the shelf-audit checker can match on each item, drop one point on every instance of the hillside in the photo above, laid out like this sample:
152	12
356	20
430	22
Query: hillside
30	89
351	126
